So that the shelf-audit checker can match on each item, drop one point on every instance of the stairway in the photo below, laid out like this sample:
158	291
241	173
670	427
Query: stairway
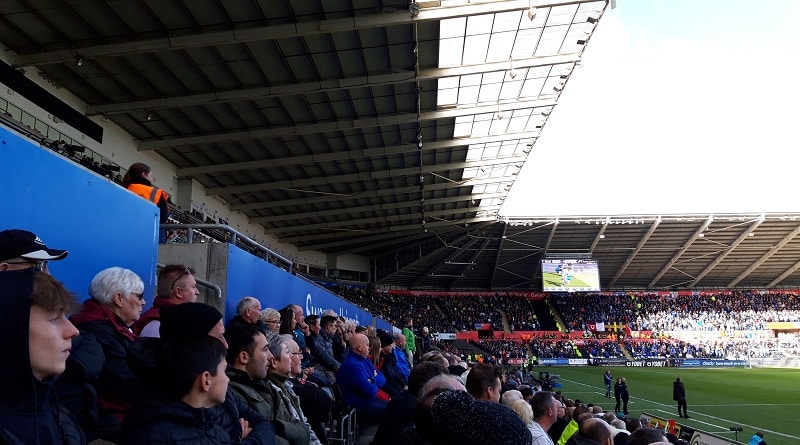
545	318
504	320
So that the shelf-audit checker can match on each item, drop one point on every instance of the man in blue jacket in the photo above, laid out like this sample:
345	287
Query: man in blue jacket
360	381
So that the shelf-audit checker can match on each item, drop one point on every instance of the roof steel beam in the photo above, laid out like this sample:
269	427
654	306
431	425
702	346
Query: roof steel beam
353	247
352	154
377	207
783	276
364	176
345	124
497	258
764	257
636	250
371	194
325	85
726	252
382	219
703	227
277	31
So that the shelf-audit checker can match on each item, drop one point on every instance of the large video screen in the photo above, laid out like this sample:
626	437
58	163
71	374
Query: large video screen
570	275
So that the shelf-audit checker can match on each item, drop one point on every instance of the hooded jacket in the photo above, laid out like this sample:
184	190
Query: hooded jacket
29	413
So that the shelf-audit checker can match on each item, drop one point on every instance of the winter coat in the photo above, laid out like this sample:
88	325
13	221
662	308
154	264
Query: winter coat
157	421
117	387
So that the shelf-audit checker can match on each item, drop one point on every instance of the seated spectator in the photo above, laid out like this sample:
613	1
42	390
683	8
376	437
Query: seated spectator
484	382
289	416
400	355
248	311
31	302
116	302
401	410
360	382
196	407
387	364
175	285
323	348
20	249
597	430
272	318
465	420
182	319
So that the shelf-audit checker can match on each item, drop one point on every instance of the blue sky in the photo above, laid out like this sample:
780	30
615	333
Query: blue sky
679	106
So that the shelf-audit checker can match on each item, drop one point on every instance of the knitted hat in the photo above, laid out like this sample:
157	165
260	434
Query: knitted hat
467	421
385	338
188	318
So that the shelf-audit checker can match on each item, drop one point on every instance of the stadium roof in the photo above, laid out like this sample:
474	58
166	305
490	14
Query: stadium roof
374	127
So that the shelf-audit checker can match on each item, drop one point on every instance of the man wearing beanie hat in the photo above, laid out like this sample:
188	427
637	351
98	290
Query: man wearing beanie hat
192	318
395	381
466	421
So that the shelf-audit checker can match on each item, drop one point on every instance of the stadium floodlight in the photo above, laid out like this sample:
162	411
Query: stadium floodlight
531	13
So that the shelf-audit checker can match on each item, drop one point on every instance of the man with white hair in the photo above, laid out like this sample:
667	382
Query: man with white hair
248	312
509	397
116	303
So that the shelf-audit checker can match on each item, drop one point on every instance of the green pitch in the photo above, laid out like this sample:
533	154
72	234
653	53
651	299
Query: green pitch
552	279
758	399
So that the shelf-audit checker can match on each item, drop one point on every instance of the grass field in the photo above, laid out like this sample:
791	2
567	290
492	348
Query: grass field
758	399
552	279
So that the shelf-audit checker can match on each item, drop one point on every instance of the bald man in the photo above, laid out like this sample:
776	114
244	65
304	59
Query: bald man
360	382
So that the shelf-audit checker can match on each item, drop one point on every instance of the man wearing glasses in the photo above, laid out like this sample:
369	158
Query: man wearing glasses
176	285
20	249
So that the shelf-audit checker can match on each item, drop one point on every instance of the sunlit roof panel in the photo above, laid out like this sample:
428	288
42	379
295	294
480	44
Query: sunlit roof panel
475	48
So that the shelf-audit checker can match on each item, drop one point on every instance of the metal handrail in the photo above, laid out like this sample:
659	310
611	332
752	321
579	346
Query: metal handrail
235	236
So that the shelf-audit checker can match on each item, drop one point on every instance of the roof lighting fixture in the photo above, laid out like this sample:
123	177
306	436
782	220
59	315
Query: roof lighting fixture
581	42
413	8
557	89
148	115
531	13
78	60
591	20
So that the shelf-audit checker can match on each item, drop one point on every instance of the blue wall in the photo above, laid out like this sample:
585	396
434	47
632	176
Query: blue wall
69	207
275	288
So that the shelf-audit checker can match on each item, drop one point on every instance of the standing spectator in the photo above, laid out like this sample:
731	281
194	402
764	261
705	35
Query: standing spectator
139	179
426	340
175	285
679	395
116	302
545	414
607	379
32	308
621	394
484	382
411	344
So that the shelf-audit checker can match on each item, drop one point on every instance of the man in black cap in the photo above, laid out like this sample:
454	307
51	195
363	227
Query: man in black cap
20	249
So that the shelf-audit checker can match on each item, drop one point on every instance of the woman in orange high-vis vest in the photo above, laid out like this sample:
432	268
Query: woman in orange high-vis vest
139	180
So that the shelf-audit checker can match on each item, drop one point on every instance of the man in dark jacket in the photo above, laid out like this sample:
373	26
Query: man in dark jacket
248	310
197	408
32	308
679	395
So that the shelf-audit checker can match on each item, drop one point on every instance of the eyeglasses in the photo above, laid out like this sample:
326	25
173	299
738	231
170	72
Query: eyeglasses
39	265
186	271
273	321
297	353
139	296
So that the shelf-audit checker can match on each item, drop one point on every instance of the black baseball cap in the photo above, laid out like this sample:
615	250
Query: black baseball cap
21	243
